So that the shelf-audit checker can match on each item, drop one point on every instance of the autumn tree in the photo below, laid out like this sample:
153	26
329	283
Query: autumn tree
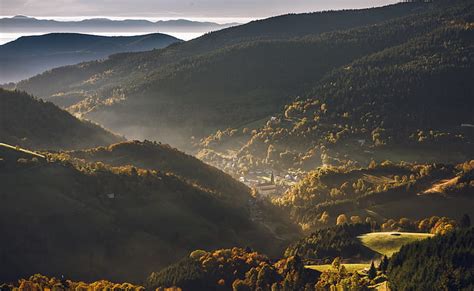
341	219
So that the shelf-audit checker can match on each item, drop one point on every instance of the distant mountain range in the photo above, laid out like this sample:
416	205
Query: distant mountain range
22	23
30	55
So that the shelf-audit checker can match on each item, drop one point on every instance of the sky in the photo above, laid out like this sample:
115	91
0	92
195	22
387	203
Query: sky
169	9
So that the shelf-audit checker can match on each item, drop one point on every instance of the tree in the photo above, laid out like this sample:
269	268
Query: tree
266	276
197	254
356	219
465	221
383	264
372	271
239	285
372	164
341	219
324	217
336	263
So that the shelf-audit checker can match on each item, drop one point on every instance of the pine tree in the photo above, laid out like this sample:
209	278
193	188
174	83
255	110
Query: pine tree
383	264
465	221
372	271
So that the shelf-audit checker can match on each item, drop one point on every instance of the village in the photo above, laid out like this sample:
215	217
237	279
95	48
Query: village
267	182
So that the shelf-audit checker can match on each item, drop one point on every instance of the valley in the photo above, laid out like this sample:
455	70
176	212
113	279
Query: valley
329	150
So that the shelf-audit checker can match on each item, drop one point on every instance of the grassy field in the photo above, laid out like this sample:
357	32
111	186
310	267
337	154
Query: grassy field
351	268
388	243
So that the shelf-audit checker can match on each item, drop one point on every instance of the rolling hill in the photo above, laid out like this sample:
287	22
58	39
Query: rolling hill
152	155
120	222
33	123
324	245
389	243
224	78
31	55
379	192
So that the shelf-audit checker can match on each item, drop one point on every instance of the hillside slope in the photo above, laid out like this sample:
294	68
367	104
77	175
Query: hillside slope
31	55
119	223
33	123
443	262
380	192
154	156
405	102
253	68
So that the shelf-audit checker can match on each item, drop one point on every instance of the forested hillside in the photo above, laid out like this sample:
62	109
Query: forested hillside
30	122
234	269
31	55
380	192
324	245
152	155
222	79
119	223
333	151
42	282
444	262
405	102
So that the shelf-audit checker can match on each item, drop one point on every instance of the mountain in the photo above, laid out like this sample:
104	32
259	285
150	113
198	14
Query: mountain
22	24
33	123
362	117
121	222
151	155
225	78
31	55
408	102
184	25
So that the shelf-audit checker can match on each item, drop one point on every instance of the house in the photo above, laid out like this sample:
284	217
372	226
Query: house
266	189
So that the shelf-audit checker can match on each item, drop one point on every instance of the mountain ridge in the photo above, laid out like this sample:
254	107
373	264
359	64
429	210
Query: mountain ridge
22	23
33	123
30	55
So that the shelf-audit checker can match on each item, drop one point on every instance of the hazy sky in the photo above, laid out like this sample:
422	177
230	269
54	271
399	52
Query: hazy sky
175	8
